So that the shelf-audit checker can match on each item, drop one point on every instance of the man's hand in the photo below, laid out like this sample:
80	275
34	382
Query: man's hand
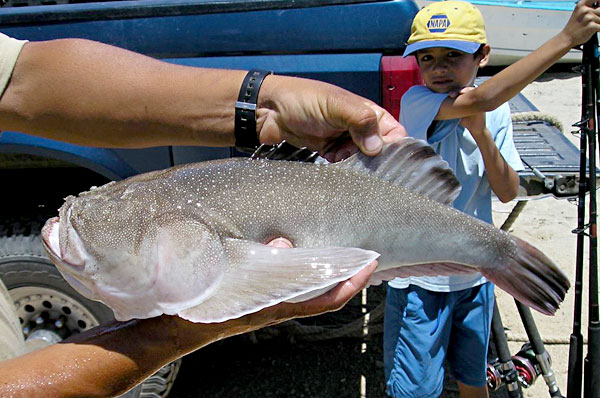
322	117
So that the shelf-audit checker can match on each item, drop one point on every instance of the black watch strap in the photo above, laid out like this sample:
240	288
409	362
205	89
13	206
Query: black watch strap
246	139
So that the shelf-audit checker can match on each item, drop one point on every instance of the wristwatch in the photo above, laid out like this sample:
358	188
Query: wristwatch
246	138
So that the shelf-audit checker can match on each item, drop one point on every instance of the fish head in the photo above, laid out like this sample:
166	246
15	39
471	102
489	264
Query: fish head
101	239
132	250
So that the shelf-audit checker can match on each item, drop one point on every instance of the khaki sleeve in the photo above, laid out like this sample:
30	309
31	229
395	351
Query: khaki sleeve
9	52
12	343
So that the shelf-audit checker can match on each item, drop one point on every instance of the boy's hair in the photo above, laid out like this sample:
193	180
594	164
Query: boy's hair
479	50
451	24
476	54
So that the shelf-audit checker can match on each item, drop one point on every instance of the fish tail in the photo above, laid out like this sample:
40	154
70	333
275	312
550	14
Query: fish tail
532	278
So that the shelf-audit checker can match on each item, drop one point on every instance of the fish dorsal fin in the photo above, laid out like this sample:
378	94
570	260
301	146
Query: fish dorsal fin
413	164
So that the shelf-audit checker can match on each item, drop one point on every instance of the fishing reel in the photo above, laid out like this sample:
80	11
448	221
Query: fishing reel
525	364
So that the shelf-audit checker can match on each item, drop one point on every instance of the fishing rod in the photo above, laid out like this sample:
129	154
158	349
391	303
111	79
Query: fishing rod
542	358
523	368
502	372
575	370
587	130
592	360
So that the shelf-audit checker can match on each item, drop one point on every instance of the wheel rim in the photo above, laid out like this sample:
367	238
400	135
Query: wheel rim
49	314
52	316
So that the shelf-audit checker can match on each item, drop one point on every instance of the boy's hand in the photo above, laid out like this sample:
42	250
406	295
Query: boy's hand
474	123
583	23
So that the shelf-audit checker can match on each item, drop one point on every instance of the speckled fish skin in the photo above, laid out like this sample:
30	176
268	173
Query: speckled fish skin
312	205
200	206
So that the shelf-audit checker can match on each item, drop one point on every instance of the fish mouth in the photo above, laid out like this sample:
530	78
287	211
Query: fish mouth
50	238
51	243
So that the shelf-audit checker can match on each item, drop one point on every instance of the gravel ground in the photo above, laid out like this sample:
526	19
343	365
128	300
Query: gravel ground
261	365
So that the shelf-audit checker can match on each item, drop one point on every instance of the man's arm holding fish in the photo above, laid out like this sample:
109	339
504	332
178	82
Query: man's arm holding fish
94	94
110	359
584	21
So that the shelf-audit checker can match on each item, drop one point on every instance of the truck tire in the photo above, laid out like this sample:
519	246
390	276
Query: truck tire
50	309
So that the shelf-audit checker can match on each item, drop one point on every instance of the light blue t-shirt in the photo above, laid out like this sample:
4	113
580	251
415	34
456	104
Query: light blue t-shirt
457	147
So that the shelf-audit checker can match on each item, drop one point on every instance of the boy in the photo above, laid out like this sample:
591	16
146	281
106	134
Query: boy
430	319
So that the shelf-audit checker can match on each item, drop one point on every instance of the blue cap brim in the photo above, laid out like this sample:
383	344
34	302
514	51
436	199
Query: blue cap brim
468	47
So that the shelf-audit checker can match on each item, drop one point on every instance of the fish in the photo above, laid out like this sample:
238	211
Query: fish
190	240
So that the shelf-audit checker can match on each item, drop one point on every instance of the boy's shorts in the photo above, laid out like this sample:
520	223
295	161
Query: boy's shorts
422	328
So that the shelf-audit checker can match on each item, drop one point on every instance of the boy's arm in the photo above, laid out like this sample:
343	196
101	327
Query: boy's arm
584	21
503	179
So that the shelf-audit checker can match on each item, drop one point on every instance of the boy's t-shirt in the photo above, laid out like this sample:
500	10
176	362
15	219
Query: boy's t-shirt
457	147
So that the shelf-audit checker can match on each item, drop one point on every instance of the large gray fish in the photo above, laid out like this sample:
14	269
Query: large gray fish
190	240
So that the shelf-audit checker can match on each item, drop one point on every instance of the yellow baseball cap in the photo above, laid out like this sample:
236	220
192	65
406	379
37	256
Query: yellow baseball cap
450	24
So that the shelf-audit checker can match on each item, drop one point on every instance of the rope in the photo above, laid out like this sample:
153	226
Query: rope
514	213
524	117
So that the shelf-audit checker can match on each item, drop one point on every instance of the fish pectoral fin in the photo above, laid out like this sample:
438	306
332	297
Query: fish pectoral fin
259	276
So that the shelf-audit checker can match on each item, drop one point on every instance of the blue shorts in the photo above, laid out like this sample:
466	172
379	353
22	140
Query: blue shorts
423	328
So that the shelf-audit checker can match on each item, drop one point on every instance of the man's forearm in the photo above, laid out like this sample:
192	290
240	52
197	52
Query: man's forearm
93	94
110	359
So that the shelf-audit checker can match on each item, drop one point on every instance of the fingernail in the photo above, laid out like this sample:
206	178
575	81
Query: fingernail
281	242
372	143
330	157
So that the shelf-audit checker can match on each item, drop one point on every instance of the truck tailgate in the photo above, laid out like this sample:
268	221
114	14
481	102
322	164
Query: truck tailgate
551	161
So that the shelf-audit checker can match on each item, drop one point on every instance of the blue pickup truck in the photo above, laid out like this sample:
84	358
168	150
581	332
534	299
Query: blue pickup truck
356	44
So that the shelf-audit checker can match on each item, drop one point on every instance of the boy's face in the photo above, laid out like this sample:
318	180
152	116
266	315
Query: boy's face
446	69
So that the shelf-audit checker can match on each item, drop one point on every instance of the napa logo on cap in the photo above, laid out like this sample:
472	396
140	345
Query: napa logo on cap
438	23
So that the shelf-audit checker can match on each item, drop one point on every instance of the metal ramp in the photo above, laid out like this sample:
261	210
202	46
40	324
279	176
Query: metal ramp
551	161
